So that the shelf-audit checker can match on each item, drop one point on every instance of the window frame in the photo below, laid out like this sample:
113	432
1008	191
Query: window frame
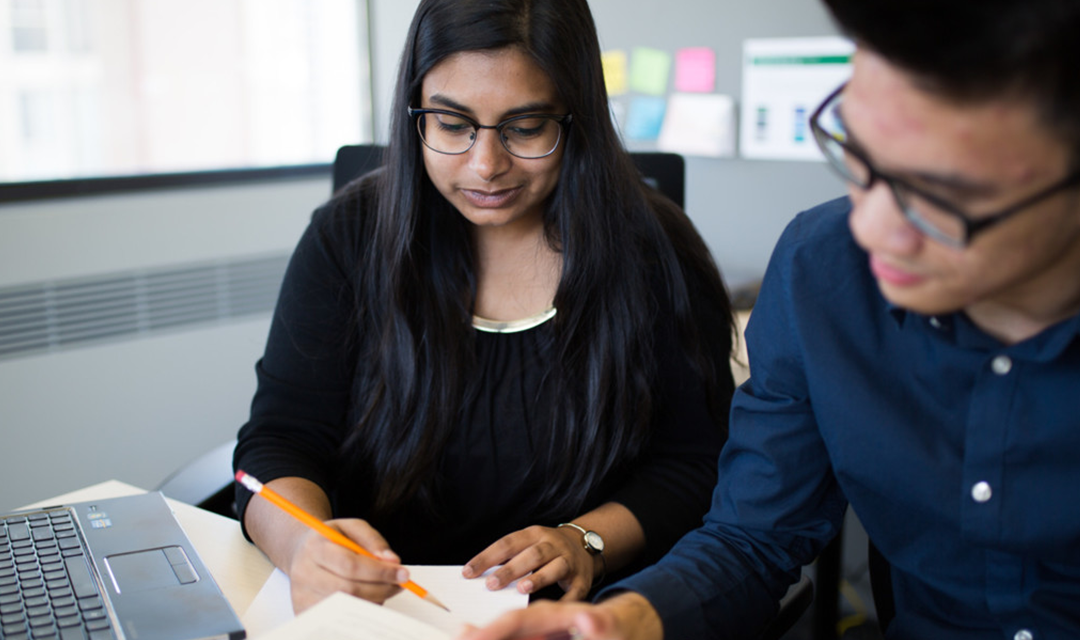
81	187
91	185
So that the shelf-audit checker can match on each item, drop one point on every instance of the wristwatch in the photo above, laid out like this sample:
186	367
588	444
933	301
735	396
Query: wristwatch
594	544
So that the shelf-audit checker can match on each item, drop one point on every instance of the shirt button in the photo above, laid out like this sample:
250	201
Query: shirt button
981	492
935	323
1024	634
1001	365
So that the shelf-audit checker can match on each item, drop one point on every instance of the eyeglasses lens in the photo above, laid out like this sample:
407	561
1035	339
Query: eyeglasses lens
929	217
524	137
531	137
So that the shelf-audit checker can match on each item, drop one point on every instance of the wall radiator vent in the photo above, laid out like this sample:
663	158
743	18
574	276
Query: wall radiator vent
61	314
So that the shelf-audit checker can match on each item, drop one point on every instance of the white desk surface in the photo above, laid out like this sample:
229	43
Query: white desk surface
238	567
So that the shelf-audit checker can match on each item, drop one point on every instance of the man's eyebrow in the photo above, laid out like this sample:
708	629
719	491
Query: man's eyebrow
952	184
531	107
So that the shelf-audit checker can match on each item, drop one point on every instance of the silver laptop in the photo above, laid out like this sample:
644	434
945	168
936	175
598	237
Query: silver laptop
114	569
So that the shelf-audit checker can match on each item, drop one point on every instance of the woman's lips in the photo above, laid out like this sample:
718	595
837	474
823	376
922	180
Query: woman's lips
491	199
893	275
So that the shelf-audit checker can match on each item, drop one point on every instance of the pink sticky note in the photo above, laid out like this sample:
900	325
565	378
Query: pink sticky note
695	70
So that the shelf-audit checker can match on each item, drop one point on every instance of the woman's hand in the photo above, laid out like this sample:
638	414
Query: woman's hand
550	555
319	567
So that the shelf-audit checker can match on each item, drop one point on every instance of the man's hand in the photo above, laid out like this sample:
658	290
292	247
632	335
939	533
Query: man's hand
628	616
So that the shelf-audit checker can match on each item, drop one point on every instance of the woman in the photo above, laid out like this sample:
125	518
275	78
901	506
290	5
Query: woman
501	331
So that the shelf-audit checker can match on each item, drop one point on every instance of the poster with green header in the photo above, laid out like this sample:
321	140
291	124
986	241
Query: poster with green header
783	82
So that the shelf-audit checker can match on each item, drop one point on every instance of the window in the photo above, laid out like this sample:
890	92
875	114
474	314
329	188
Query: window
92	88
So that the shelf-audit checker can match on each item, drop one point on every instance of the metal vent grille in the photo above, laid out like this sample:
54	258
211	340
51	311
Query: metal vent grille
62	314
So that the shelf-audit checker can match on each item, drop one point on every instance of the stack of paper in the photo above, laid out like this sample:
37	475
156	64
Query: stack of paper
401	618
343	617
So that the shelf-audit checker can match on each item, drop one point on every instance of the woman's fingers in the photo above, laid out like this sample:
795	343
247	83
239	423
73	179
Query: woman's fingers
537	557
320	567
499	552
554	572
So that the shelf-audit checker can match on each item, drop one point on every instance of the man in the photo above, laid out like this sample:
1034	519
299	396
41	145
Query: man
915	350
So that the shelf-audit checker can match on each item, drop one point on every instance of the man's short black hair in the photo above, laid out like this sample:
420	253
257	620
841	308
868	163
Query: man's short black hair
971	50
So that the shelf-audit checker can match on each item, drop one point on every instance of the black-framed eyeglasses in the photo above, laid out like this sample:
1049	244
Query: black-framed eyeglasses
929	214
529	136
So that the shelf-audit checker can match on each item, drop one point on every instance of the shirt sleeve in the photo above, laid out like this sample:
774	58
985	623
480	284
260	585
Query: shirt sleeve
776	503
669	491
300	410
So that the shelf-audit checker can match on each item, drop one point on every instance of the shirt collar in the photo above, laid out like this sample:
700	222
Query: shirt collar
898	313
958	328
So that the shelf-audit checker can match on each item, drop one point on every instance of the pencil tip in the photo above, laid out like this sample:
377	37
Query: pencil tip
435	601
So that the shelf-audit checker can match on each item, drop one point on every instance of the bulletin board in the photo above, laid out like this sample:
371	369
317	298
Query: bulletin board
739	204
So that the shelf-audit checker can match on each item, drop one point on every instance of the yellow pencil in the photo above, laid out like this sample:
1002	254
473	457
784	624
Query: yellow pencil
320	527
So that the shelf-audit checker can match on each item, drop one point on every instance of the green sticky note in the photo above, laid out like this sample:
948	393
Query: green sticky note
649	70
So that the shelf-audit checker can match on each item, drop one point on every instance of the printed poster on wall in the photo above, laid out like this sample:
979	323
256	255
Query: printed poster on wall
784	80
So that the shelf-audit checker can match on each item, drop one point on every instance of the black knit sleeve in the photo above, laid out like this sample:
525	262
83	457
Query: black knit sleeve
300	411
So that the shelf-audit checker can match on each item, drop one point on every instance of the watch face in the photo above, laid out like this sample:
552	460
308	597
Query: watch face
594	542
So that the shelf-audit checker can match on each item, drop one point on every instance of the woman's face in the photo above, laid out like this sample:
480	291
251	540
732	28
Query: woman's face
487	184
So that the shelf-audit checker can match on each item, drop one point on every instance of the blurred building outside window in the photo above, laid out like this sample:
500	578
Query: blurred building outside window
98	88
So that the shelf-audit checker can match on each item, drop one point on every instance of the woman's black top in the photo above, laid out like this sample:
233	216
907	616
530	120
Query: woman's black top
304	407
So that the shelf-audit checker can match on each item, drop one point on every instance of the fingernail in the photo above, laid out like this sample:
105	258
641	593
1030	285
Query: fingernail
387	554
525	586
402	576
467	571
492	583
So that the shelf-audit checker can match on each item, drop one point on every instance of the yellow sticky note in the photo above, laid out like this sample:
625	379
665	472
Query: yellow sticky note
614	71
649	70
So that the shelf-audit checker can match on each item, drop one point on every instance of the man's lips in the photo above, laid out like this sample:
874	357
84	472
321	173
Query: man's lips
893	275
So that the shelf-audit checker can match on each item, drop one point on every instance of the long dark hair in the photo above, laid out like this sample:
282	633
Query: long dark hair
617	240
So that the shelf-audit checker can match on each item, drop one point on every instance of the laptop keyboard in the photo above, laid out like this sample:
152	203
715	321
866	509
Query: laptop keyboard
46	588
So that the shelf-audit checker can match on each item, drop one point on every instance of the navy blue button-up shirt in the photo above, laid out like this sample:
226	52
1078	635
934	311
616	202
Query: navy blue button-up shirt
960	455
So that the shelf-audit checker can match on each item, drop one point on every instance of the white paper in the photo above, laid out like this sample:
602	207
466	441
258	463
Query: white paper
468	600
343	617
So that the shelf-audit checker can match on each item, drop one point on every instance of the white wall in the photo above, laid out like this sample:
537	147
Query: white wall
79	236
134	409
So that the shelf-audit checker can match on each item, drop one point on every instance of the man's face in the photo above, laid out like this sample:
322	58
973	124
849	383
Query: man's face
981	157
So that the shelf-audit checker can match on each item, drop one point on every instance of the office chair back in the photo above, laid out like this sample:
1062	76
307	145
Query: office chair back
665	172
205	482
353	161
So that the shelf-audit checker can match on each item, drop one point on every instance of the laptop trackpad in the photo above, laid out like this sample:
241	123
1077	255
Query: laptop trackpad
150	569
